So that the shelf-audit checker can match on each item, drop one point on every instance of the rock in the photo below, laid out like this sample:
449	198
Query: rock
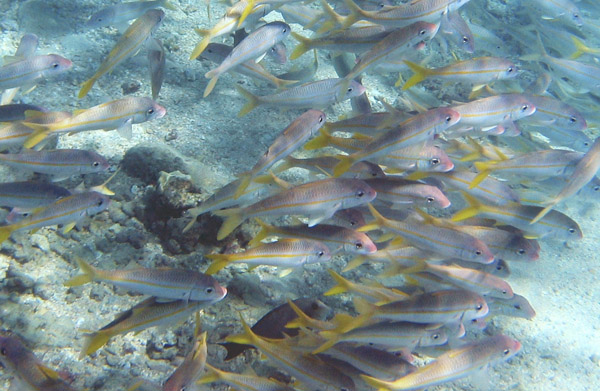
146	161
176	188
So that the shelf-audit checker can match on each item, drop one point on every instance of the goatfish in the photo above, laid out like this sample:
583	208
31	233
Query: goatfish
325	165
430	235
315	94
506	244
335	237
116	15
165	282
289	140
584	172
286	254
262	187
319	200
60	163
30	70
248	382
404	192
399	16
253	46
307	369
554	224
118	114
455	364
275	324
156	64
217	52
190	370
148	313
371	290
67	211
29	372
17	133
481	70
425	157
454	28
29	195
553	112
515	307
417	129
136	36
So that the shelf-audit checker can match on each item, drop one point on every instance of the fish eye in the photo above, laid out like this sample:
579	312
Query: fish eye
151	111
183	388
499	267
596	188
360	193
285	30
517	306
449	119
55	65
477	252
506	352
479	307
209	290
524	108
350	89
465	39
435	336
321	119
430	200
504	292
422	32
353	223
521	251
509	70
572	230
358	245
435	161
96	164
100	202
320	253
572	120
3	351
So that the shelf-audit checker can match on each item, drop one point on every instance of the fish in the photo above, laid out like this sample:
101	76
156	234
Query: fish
426	157
132	40
417	129
29	372
297	75
192	367
319	200
553	112
156	64
287	254
253	46
564	10
242	381
306	368
16	112
117	14
274	324
118	114
164	282
289	140
325	165
404	192
431	235
147	313
454	27
455	364
516	307
30	70
316	94
17	133
370	290
507	244
480	70
60	163
66	211
335	237
30	195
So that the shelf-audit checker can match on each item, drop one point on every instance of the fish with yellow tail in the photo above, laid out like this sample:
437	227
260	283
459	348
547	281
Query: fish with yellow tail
27	71
190	370
453	365
134	38
246	381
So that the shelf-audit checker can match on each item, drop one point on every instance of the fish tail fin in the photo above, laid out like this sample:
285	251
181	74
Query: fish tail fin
93	342
212	376
35	138
544	211
342	286
302	320
247	337
379	222
355	14
89	273
285	164
334	18
346	161
193	213
332	338
321	141
484	172
211	84
265	230
233	218
219	262
5	232
419	266
536	56
246	12
421	73
169	6
475	207
581	48
86	87
380	385
302	47
252	103
201	46
354	263
245	180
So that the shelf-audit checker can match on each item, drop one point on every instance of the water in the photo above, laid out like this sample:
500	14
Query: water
207	141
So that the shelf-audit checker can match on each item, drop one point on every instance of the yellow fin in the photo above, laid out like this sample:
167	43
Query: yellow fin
301	48
219	262
94	341
421	73
246	12
342	286
346	161
211	85
233	218
354	263
86	87
252	103
89	273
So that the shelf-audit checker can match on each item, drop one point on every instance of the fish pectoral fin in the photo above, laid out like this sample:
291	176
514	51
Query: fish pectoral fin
314	220
68	227
126	129
48	372
285	272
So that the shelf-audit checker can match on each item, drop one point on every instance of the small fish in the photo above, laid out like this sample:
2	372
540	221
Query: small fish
118	114
60	163
29	372
156	64
316	94
190	370
132	40
116	15
30	194
319	200
274	324
248	382
425	157
455	364
408	193
168	283
286	254
297	75
516	307
17	133
253	46
417	129
30	70
67	211
16	112
278	53
289	140
507	244
479	70
325	165
454	27
335	237
148	313
559	9
553	112
371	290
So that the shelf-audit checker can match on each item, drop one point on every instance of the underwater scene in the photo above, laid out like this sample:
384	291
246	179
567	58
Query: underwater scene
310	195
